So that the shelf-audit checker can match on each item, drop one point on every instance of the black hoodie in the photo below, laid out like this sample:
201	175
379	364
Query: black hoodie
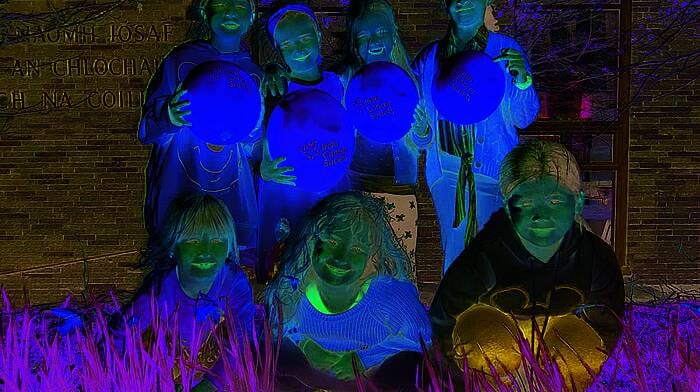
497	270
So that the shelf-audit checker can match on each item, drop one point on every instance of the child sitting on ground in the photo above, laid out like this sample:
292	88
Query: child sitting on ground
195	280
533	260
344	297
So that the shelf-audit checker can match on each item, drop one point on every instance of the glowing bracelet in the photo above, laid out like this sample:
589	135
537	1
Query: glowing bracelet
524	85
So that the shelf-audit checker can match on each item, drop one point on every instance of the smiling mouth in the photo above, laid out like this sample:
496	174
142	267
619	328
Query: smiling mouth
302	58
337	270
231	25
376	51
203	266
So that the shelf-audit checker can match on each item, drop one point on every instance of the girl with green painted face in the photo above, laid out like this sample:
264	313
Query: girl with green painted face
345	295
193	277
534	260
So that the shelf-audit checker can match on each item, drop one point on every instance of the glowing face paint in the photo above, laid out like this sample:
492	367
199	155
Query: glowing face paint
340	259
229	17
201	257
542	210
298	42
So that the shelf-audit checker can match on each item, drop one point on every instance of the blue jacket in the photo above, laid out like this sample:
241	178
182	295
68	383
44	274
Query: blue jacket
496	135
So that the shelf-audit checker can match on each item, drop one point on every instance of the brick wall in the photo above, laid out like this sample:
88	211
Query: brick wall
664	153
71	185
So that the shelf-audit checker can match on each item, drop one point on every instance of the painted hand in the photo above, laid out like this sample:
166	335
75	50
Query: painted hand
483	334
318	357
515	64
420	121
177	108
271	171
577	349
275	81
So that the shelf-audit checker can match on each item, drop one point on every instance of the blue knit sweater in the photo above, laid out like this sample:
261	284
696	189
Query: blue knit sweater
389	319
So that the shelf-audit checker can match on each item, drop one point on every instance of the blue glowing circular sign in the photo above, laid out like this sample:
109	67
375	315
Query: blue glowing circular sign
224	100
468	88
381	99
312	130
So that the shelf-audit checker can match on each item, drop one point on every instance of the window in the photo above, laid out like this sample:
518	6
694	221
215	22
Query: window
579	51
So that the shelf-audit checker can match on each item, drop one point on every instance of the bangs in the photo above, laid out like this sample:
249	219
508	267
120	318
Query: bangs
212	219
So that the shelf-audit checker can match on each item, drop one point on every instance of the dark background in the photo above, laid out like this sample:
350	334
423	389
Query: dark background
71	167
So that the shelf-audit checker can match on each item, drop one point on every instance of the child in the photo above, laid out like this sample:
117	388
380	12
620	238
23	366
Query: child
535	260
388	170
194	278
296	35
182	163
344	295
463	160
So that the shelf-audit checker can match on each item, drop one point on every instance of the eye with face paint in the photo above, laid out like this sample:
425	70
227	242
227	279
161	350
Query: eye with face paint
200	257
467	14
229	17
542	210
374	37
298	42
340	259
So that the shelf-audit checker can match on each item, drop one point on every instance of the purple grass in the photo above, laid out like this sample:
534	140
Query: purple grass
659	350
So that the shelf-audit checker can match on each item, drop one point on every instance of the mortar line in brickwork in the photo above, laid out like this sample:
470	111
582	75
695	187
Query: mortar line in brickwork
69	262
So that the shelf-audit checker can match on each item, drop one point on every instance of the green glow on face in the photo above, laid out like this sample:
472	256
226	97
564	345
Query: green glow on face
201	257
542	210
229	17
298	42
341	258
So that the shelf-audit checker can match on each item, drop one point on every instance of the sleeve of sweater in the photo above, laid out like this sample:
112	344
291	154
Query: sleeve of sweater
606	304
405	319
469	276
239	306
133	319
240	302
522	106
155	126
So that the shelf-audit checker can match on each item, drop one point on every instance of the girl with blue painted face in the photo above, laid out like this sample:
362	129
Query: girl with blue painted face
345	295
296	35
191	281
534	260
462	161
182	163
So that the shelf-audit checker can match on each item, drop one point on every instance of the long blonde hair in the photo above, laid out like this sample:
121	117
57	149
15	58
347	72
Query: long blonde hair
361	8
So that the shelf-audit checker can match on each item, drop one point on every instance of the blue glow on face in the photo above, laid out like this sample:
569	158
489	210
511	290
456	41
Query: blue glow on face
468	88
224	100
381	99
312	130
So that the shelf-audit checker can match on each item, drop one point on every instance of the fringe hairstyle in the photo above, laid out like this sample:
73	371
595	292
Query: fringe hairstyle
189	216
354	211
536	158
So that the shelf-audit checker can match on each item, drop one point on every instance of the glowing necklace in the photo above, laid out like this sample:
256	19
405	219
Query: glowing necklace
314	297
